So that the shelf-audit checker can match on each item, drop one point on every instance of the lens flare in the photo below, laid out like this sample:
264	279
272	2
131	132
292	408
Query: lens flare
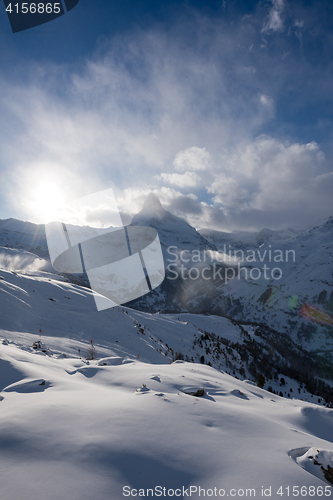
293	302
316	315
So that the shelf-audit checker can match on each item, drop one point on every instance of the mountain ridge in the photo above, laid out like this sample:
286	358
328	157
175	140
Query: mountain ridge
299	303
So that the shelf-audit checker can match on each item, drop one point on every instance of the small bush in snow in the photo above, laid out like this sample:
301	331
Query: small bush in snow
261	380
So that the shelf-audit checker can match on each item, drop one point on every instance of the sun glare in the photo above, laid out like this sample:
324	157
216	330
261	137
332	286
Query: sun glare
46	201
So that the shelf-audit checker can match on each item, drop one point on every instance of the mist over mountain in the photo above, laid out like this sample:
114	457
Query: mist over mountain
247	239
24	235
280	279
172	230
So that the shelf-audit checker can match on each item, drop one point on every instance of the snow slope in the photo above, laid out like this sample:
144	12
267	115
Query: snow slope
37	306
13	259
74	429
78	428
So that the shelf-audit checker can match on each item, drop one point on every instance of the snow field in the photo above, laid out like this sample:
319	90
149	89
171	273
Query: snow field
93	428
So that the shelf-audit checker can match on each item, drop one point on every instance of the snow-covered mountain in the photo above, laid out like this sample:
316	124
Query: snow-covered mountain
299	300
24	235
172	230
114	418
247	239
124	403
284	284
281	279
40	306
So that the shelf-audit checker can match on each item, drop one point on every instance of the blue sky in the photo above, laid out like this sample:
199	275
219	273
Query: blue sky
223	109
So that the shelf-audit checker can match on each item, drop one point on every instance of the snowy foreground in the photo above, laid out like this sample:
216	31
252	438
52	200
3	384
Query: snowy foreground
130	423
77	429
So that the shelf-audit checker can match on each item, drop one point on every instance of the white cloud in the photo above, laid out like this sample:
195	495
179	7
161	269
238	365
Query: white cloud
262	183
274	21
271	179
188	179
228	192
266	100
193	158
299	24
153	110
131	200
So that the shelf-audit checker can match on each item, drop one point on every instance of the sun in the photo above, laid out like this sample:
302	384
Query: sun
46	201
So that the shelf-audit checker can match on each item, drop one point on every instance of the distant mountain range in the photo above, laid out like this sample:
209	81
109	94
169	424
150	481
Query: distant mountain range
282	279
278	280
24	235
247	239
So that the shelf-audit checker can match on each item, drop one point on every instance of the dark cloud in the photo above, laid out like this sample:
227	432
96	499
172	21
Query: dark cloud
185	206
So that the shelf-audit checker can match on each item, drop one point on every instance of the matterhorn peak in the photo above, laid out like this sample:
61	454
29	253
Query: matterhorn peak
172	230
152	207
